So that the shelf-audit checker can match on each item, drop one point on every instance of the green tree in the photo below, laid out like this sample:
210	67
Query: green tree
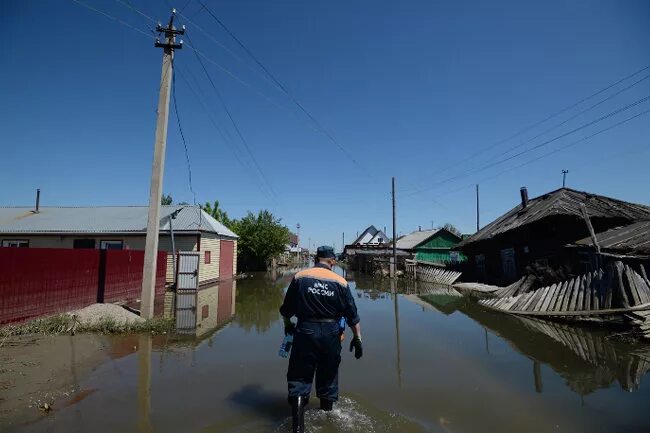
217	213
166	199
450	227
261	238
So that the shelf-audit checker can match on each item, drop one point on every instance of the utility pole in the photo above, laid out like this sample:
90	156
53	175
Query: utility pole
478	226
158	167
343	241
393	266
564	172
298	242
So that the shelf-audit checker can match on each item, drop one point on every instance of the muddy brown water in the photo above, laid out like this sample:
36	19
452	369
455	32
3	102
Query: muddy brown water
439	365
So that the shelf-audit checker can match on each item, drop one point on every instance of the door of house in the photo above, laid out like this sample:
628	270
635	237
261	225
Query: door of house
226	259
508	263
187	270
187	284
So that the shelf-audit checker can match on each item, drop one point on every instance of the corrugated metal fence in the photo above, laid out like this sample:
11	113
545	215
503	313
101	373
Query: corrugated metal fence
40	281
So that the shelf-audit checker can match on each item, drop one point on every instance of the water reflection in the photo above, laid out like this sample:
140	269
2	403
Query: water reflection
144	384
200	312
259	300
588	359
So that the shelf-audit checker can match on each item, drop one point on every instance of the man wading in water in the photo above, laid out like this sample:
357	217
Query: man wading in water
319	298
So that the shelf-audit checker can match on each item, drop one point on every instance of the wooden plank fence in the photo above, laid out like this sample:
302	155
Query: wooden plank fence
619	290
431	272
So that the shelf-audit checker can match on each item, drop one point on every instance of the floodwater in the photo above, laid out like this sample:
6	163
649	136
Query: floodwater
441	364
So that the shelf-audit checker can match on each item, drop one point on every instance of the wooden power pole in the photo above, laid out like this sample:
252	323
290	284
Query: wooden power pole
393	265
478	225
158	168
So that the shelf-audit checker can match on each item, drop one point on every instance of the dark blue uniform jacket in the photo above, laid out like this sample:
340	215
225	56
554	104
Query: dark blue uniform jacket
318	293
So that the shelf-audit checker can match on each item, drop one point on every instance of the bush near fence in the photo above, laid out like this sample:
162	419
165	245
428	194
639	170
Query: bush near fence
40	281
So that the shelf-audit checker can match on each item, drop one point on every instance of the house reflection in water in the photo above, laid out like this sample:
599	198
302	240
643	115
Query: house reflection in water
588	359
198	312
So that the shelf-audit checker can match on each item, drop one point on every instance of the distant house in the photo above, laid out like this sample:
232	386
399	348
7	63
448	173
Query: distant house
124	227
536	231
431	246
371	236
292	246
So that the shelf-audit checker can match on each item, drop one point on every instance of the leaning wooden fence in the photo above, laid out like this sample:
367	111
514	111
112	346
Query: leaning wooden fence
620	289
430	272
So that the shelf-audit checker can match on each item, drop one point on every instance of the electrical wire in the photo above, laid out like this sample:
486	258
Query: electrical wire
554	151
501	161
591	107
208	113
546	119
180	130
232	120
279	85
129	5
124	23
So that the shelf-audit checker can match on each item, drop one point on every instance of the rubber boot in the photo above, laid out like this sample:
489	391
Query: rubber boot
298	412
326	404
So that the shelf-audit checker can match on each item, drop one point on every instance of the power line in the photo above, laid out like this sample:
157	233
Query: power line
546	119
129	5
208	113
124	23
232	120
554	151
318	125
180	130
586	125
591	107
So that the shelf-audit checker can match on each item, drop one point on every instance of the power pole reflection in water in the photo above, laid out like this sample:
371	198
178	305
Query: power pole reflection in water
393	290
144	384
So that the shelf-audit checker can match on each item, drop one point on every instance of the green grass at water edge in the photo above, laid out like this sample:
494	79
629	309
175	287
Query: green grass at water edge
65	324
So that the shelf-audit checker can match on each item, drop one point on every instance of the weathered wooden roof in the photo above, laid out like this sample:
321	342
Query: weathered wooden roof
564	201
630	239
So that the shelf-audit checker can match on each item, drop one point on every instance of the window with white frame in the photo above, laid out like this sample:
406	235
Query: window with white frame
111	245
16	243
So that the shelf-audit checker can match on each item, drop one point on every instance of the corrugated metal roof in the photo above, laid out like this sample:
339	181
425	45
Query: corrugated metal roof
105	219
414	239
563	201
630	239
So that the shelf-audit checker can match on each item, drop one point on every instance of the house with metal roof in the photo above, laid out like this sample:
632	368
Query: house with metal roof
434	246
371	236
536	232
125	227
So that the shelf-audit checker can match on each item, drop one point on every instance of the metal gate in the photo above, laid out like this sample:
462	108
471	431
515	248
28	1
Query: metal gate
187	284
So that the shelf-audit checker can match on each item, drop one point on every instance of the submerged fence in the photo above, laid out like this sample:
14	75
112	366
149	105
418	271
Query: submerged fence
39	281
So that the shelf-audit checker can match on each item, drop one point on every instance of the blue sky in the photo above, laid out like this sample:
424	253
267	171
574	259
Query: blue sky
409	89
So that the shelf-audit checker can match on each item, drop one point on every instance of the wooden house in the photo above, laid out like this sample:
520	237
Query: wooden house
536	231
371	236
434	246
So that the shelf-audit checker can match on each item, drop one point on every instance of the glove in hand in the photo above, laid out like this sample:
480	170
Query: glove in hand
357	346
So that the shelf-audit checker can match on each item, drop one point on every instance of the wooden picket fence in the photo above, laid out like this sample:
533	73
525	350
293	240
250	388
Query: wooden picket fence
620	289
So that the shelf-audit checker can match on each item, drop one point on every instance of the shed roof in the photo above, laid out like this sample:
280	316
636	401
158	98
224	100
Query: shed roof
564	201
630	239
414	239
105	219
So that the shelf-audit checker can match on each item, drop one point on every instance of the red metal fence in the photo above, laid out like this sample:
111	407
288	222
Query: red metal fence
40	281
